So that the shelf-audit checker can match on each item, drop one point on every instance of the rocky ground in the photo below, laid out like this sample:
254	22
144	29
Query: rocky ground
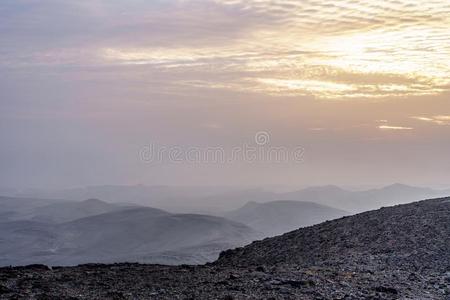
401	252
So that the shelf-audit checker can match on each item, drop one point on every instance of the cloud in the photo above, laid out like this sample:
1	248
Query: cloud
350	49
439	120
388	127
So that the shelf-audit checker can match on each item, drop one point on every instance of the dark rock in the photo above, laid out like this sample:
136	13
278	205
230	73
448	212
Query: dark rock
299	283
388	290
35	267
115	295
260	269
4	290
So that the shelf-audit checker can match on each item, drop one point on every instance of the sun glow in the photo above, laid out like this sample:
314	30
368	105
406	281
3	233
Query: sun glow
376	53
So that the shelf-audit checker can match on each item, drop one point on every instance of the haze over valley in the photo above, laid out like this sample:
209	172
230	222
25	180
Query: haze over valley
132	225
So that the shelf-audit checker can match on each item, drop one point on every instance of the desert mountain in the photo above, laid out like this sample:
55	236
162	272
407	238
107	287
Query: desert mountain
72	210
217	200
359	201
138	234
52	210
13	208
277	217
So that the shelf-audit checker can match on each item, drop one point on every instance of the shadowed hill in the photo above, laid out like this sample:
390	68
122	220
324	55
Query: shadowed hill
139	235
277	217
148	234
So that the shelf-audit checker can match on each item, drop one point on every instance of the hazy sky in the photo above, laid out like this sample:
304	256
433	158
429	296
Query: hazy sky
362	86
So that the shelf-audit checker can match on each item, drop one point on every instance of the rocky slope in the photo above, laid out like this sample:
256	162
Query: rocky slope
401	252
415	236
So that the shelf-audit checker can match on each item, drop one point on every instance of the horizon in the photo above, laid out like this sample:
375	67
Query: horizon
268	187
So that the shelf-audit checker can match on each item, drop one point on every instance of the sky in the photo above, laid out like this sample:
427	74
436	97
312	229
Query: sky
87	87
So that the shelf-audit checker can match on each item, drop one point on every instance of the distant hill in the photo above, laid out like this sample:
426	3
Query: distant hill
15	208
360	201
217	200
173	198
138	234
53	210
72	210
277	217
